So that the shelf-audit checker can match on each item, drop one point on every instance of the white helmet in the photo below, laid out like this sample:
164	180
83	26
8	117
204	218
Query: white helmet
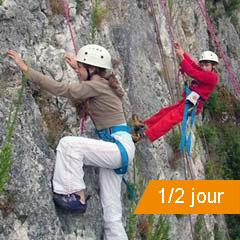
209	56
95	55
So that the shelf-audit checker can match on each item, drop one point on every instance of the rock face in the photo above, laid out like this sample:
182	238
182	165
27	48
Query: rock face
38	31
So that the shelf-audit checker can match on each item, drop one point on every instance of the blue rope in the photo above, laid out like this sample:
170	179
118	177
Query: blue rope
186	140
105	135
189	138
184	126
130	190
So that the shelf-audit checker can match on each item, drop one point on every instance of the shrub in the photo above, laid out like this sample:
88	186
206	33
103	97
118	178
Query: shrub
5	152
80	6
98	14
223	139
56	7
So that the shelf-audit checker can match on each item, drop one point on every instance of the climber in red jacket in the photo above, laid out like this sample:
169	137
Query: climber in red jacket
204	81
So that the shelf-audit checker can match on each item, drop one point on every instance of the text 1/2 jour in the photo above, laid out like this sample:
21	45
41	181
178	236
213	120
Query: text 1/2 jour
202	197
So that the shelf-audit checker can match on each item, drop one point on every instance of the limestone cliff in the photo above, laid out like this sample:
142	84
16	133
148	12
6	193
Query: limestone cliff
38	31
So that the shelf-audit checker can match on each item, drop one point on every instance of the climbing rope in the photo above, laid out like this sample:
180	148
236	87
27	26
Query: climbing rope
186	155
160	47
163	57
231	76
84	104
164	6
187	165
233	81
66	12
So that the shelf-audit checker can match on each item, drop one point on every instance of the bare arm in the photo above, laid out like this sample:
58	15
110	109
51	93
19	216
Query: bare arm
82	90
179	51
71	60
18	60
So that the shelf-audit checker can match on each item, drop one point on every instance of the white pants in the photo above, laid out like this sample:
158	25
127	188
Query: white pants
72	153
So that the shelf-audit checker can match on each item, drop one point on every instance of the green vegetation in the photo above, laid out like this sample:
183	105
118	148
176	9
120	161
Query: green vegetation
217	12
213	11
132	221
94	13
170	8
6	149
131	202
221	135
200	229
98	14
161	228
218	234
231	6
80	6
179	216
56	7
152	227
56	124
174	141
233	225
149	227
235	20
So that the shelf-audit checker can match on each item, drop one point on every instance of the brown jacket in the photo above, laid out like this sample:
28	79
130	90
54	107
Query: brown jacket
105	106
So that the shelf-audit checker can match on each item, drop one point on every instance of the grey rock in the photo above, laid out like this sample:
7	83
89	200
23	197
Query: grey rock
128	33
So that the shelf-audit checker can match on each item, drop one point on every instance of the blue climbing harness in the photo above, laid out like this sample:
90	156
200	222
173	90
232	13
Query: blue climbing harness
105	135
186	140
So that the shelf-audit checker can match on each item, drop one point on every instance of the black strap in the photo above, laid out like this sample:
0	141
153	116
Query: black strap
88	74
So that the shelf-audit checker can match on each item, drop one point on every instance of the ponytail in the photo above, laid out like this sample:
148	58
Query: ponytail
111	78
114	84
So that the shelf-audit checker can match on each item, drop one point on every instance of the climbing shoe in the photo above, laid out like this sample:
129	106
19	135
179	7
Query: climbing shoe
137	124
70	202
137	136
137	128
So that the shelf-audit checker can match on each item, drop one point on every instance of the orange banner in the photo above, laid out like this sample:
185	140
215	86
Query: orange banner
190	197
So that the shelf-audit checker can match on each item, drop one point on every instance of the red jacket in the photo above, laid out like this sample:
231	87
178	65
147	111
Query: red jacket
203	82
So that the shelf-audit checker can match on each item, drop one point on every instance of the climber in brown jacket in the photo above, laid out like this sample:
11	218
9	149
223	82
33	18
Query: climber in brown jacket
110	154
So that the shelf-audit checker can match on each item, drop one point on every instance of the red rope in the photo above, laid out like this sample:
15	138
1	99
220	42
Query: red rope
161	52
233	81
66	11
164	6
